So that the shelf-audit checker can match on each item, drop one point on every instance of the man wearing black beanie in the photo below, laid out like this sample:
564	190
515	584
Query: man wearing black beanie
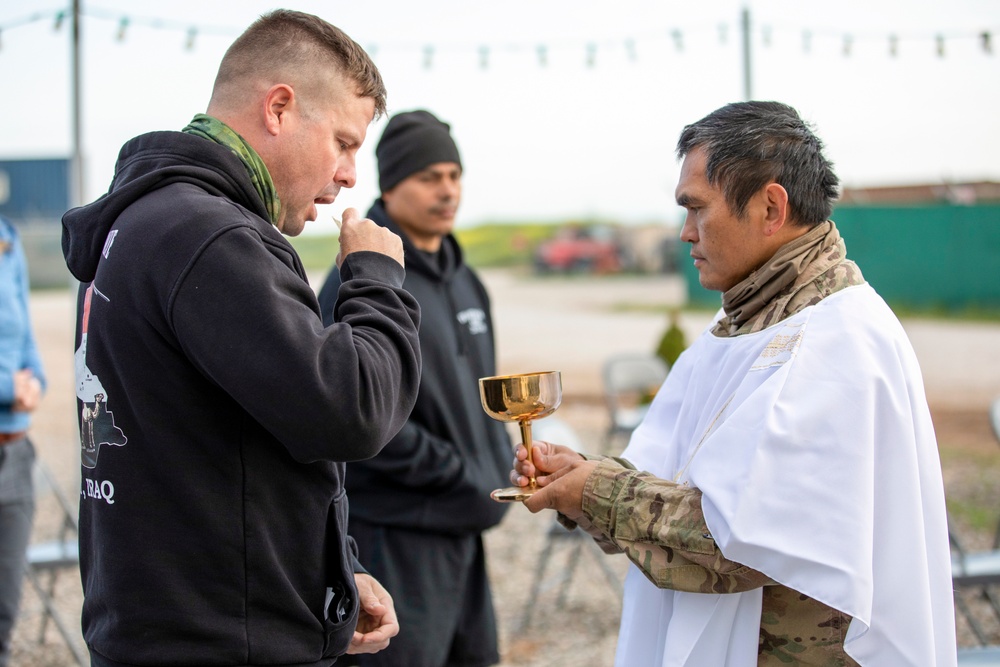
419	508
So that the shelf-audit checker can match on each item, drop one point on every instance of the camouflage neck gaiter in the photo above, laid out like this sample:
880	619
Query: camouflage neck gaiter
767	295
215	130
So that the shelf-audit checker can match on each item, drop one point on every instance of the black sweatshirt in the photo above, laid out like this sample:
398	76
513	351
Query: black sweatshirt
436	474
216	411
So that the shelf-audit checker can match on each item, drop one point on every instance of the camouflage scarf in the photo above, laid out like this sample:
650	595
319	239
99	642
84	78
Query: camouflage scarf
215	130
800	274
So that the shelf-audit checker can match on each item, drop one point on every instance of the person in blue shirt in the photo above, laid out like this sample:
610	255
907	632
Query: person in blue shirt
22	383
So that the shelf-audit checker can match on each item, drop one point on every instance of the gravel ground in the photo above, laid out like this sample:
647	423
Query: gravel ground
570	325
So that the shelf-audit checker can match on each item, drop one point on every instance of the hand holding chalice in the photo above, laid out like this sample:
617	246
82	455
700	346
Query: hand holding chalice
520	398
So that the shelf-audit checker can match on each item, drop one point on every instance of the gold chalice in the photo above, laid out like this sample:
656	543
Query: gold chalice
520	398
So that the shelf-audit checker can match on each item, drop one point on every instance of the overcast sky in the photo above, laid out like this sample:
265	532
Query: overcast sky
563	109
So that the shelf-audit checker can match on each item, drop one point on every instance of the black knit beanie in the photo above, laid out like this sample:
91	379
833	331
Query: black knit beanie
412	141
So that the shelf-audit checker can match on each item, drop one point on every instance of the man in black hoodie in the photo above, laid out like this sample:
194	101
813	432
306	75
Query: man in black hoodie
419	508
216	408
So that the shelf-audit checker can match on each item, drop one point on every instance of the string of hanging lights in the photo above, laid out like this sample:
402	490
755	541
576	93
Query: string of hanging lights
485	54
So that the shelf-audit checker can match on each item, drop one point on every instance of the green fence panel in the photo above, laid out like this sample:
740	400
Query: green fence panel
698	296
935	258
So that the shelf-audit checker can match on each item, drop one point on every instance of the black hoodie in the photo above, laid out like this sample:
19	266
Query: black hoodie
215	409
436	474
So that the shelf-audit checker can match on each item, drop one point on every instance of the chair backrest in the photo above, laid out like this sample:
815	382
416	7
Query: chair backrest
631	373
47	558
995	417
981	656
46	485
555	430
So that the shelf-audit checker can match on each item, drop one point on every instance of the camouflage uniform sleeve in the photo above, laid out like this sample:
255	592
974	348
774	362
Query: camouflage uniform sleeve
661	527
584	523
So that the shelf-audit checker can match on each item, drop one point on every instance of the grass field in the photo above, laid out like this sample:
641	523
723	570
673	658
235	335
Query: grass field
491	244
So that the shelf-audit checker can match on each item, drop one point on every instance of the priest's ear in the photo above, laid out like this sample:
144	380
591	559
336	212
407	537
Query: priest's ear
777	214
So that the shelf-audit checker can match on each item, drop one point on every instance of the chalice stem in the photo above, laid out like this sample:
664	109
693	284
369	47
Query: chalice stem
525	425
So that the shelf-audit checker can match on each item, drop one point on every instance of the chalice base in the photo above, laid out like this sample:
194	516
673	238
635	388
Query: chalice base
513	494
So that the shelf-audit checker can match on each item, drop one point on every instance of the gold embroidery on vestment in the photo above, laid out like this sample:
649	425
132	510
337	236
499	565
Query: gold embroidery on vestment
781	349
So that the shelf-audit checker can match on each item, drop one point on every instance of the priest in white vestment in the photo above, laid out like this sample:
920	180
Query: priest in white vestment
782	503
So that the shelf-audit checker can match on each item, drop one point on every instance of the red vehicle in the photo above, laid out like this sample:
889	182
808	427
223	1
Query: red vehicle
580	250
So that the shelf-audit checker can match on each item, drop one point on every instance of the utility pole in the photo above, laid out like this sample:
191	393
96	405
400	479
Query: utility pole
76	161
747	88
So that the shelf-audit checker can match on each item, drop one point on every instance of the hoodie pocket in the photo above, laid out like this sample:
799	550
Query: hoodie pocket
341	594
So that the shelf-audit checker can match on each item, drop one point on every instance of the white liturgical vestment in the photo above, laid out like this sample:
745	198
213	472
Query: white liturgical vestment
812	444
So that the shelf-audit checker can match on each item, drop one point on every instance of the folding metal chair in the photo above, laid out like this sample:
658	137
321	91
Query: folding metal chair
576	542
995	423
45	560
630	381
552	429
995	417
975	570
978	569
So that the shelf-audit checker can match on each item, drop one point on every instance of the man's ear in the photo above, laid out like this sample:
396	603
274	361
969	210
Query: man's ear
277	103
776	200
